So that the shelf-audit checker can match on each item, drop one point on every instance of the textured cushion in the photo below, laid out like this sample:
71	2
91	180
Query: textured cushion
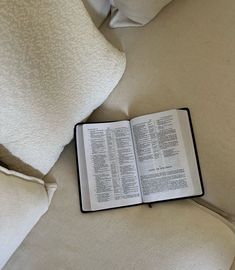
55	69
169	236
23	200
181	60
126	13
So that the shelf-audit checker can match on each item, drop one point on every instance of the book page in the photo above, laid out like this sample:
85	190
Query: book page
162	162
85	195
190	151
112	172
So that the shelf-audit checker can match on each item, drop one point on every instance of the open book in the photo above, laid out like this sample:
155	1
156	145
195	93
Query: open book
150	158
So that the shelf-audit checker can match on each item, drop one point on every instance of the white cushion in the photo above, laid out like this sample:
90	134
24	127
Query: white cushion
98	10
23	200
126	13
55	69
169	236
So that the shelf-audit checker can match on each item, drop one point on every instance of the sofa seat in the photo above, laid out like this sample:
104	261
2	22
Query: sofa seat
184	57
173	235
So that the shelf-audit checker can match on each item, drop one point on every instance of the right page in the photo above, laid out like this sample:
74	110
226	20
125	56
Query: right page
165	155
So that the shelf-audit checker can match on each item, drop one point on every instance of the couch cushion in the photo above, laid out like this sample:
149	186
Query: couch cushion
98	10
129	13
185	58
23	200
169	236
56	68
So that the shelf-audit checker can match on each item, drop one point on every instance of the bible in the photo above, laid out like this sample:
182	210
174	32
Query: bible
150	158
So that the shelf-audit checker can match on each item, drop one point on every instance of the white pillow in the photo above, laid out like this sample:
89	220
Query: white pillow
98	10
23	201
55	69
126	13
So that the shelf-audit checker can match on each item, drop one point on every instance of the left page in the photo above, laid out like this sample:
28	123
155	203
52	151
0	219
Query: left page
111	166
82	168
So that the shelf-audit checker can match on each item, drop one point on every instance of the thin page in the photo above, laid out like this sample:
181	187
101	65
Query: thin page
190	151
112	172
161	157
85	195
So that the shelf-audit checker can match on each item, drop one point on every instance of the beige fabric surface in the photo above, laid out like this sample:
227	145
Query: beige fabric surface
170	236
233	266
177	60
55	69
124	13
98	10
129	13
23	200
185	58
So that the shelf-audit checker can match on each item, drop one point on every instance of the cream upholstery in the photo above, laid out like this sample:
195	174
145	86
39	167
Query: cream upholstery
98	10
182	58
169	236
129	13
23	200
55	69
